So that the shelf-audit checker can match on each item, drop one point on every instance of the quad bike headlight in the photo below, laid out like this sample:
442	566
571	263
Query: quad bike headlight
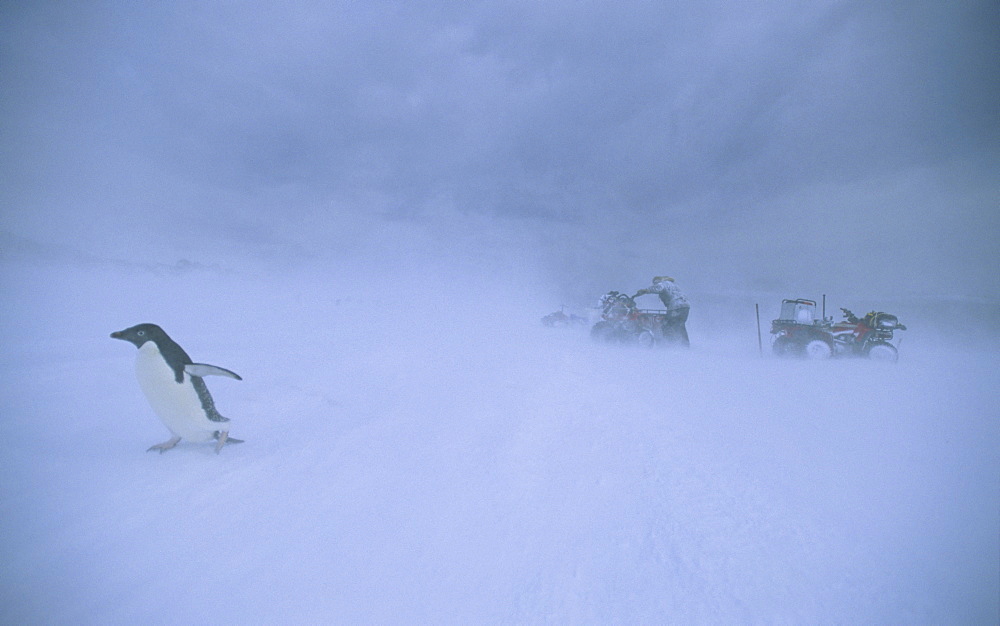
888	322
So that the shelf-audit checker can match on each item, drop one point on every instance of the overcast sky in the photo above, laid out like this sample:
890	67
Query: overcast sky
754	144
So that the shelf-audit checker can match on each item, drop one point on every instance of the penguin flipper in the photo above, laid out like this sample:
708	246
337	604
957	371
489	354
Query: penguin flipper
204	369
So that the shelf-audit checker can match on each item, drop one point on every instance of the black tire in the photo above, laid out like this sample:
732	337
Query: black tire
881	351
783	347
603	331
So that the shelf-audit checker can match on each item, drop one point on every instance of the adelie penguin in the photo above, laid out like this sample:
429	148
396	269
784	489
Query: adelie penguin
175	388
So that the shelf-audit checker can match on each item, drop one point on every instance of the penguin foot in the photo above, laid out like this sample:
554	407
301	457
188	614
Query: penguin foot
166	445
222	438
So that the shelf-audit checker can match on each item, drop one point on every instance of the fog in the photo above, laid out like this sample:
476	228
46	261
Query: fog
366	208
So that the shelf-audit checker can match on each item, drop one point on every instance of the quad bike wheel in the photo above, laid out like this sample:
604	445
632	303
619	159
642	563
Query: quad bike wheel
817	349
603	331
645	339
882	352
783	346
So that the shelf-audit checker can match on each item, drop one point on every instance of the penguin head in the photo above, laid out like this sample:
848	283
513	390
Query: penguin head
140	334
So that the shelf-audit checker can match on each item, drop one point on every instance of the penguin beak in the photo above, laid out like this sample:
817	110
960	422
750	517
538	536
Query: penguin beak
117	335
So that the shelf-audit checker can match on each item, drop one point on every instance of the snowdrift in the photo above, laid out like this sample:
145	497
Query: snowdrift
418	452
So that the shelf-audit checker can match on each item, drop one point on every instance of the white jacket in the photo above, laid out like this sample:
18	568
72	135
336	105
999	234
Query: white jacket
670	294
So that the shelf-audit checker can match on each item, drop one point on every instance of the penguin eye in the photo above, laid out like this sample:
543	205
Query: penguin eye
141	333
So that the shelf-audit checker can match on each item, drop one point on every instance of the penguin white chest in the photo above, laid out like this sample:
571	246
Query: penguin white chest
176	404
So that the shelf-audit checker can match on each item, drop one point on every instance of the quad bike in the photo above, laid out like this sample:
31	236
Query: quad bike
623	322
869	336
559	318
798	332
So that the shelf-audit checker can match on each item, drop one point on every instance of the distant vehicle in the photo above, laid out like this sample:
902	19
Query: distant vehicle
560	318
623	322
799	332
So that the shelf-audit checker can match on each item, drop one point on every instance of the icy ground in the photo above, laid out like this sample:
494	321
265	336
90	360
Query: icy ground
437	456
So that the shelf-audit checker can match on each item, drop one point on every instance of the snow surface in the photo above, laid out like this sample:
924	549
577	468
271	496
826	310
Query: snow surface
421	452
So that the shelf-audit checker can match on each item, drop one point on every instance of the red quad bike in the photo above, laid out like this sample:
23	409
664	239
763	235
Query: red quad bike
869	336
623	322
798	332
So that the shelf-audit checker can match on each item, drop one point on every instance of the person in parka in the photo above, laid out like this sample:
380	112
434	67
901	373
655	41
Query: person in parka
674	326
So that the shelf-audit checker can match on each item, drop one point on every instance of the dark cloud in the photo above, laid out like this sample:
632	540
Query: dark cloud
674	127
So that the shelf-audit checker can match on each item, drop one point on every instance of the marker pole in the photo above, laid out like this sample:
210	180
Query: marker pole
760	344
